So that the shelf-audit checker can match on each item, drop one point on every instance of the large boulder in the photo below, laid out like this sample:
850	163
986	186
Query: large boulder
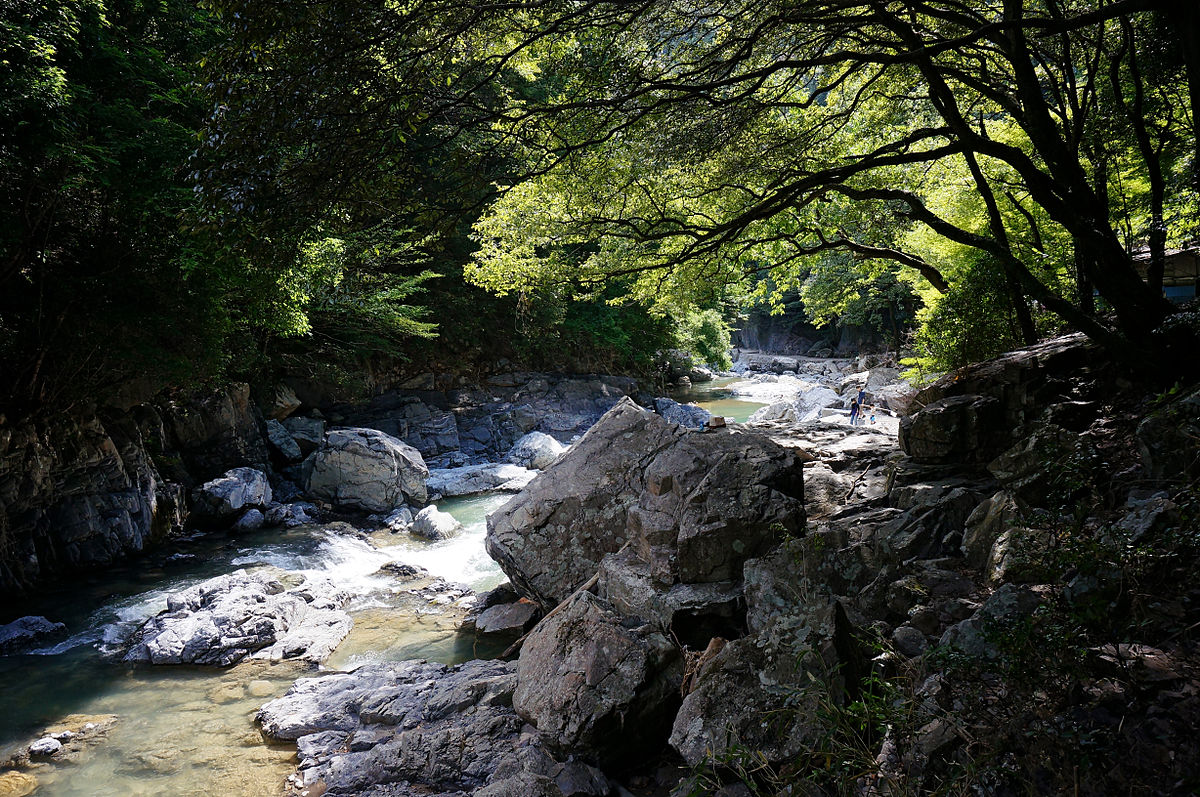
225	619
367	470
689	415
232	494
434	524
473	479
27	632
536	451
958	429
692	505
596	684
412	728
282	441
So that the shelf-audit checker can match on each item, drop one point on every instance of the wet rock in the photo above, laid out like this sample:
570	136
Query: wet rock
251	520
693	506
483	478
689	415
225	619
433	524
291	515
404	571
45	747
536	451
29	632
282	441
596	684
437	729
231	494
17	784
367	470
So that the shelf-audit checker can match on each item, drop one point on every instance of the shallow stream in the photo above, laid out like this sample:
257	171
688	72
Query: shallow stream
717	398
190	730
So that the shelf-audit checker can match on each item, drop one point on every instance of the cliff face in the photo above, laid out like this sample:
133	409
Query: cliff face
83	490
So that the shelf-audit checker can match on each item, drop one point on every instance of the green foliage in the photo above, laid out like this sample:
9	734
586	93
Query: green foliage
971	322
705	334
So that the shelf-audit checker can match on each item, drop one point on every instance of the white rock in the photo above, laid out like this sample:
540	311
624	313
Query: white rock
536	450
46	746
434	524
473	479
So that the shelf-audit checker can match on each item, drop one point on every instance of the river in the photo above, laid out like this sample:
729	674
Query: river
190	730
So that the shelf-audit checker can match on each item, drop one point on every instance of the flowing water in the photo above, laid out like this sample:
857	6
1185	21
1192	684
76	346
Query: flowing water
717	398
190	730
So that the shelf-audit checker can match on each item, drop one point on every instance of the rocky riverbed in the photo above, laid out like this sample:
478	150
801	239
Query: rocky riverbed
686	599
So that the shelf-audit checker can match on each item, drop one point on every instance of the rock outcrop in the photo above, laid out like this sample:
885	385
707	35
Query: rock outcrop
226	619
416	728
596	684
692	505
367	470
81	491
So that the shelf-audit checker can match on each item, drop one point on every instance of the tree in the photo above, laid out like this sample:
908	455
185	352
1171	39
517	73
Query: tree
710	140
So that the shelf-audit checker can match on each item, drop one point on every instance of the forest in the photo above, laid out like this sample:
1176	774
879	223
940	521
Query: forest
599	398
239	189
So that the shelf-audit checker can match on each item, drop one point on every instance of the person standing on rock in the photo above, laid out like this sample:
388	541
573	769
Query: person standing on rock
853	412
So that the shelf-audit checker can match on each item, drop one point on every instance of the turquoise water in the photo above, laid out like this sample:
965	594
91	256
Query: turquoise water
716	397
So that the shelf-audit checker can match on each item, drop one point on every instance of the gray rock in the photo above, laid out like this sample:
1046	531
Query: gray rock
595	684
909	641
688	415
291	515
1148	515
27	632
1006	605
307	433
957	429
424	729
984	526
507	619
763	692
251	520
433	524
367	470
536	451
805	407
233	493
399	520
693	506
474	479
283	403
225	619
283	442
45	747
